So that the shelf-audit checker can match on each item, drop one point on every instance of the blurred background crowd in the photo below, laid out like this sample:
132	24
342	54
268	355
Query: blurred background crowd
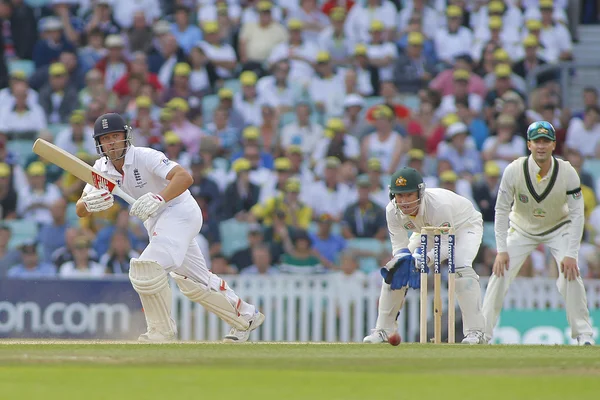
290	115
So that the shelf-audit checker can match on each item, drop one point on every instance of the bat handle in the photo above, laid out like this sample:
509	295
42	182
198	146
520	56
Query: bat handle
119	192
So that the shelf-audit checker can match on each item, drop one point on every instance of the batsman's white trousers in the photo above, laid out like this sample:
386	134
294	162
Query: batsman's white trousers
173	244
519	247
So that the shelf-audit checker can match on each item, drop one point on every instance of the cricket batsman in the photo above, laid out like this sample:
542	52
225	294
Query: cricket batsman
547	207
173	219
411	208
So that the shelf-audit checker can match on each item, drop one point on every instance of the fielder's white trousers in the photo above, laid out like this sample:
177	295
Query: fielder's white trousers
519	248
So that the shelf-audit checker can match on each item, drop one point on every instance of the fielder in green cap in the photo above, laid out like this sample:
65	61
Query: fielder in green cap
411	208
539	202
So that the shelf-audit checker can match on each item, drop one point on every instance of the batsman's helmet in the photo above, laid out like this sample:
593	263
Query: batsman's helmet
109	123
541	129
406	180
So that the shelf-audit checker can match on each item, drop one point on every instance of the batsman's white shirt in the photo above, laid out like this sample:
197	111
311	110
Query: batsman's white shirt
443	208
173	231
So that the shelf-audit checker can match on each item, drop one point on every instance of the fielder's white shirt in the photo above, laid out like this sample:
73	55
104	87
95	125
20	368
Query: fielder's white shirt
145	171
539	206
438	207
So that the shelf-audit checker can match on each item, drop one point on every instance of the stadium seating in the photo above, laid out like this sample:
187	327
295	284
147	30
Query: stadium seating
234	236
209	104
20	147
26	66
21	231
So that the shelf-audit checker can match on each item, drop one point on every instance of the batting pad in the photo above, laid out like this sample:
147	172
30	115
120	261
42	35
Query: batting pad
212	299
150	280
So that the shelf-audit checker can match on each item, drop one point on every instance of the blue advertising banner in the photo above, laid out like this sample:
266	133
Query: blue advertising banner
73	309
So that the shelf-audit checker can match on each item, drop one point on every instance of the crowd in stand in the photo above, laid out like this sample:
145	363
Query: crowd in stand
290	116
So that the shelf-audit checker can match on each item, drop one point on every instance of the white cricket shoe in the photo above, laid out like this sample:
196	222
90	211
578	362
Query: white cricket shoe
376	336
585	340
474	338
155	336
239	336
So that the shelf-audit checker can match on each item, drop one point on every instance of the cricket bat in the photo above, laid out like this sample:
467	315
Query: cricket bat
79	168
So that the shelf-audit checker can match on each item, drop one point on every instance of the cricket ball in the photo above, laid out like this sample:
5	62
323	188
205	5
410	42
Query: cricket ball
395	339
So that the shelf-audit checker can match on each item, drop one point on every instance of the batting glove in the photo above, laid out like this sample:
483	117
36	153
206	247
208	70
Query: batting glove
147	205
98	200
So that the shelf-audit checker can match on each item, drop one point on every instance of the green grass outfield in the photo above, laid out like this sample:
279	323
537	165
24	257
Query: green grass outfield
206	371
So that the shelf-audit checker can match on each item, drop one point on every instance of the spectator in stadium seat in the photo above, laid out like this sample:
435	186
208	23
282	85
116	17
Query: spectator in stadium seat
502	85
302	259
460	93
385	143
101	19
379	192
444	81
303	131
221	55
51	236
577	160
367	74
190	134
57	97
186	33
485	190
125	10
34	199
364	219
31	267
241	259
335	143
258	39
334	38
455	39
389	92
227	136
326	86
116	260
505	146
419	10
141	34
8	257
23	28
361	15
327	244
353	107
477	127
583	135
413	70
246	102
77	137
64	253
161	56
313	19
297	214
329	195
261	262
8	195
137	66
204	183
51	42
589	97
241	194
21	117
502	57
531	60
175	150
299	168
81	266
261	162
220	266
17	78
460	149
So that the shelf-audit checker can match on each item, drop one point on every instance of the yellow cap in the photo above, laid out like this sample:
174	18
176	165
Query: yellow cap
295	24
338	13
501	55
210	27
77	117
57	69
166	114
323	56
502	71
251	133
36	168
360	50
376	26
505	120
336	124
248	78
143	102
491	168
374	164
416	154
182	69
328	133
292	185
530	41
495	23
332	162
383	111
222	6
546	4
283	164
416	38
461	75
225	93
4	170
448	176
264	5
177	103
171	137
294	149
454	11
496	7
18	74
533	25
241	164
450	119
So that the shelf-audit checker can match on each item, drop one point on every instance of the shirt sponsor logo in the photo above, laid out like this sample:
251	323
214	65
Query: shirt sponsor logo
166	161
523	198
539	213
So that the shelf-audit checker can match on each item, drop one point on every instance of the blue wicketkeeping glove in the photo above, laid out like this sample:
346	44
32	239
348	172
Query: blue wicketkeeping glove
397	270
414	276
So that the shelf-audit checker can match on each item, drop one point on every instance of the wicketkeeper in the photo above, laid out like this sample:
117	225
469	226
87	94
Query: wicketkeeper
411	208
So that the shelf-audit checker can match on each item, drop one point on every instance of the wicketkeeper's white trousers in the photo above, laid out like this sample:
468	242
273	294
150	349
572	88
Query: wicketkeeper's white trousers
519	248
